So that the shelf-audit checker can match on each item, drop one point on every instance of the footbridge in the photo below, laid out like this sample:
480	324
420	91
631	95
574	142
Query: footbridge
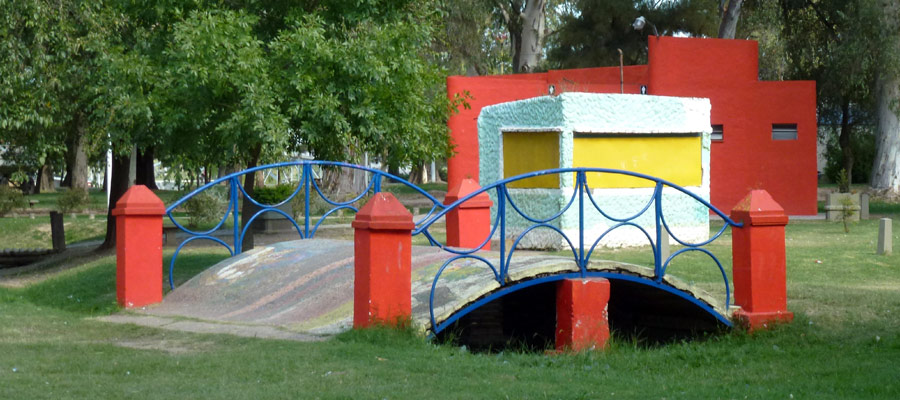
488	265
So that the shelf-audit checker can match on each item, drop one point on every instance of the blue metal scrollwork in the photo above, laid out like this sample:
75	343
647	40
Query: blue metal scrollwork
307	187
506	207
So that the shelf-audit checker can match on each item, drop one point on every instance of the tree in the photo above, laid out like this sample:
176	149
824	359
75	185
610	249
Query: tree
470	40
367	87
837	44
525	20
886	168
47	62
209	83
729	14
591	36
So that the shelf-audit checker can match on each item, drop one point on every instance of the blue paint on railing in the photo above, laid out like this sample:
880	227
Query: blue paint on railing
580	252
307	186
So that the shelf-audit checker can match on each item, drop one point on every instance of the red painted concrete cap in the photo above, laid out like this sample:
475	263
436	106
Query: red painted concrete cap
139	200
384	212
759	209
466	187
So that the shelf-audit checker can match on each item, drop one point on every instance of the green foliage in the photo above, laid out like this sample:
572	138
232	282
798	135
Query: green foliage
273	194
839	44
368	87
73	200
204	208
590	37
863	145
843	181
10	199
847	212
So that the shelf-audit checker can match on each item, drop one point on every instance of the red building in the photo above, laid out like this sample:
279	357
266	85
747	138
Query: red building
764	133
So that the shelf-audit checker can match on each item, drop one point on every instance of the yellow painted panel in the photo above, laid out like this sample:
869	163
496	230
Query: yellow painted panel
675	159
531	151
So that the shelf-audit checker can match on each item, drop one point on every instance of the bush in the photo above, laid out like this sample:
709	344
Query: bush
863	146
10	199
272	195
204	208
73	200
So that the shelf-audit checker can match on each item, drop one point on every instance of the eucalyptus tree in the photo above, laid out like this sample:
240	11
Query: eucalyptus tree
838	44
729	15
886	168
592	36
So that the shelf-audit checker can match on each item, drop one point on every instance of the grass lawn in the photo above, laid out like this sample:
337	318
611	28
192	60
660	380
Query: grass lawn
25	233
844	343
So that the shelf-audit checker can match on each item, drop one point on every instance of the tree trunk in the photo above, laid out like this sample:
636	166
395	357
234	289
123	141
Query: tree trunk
529	51
119	185
526	32
729	18
249	184
845	141
45	178
144	172
76	156
417	174
80	165
886	168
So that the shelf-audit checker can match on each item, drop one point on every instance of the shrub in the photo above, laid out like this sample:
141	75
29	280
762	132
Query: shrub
73	200
863	145
272	195
204	208
10	199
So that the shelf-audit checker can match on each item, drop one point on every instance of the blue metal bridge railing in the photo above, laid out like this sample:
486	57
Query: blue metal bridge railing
308	188
506	207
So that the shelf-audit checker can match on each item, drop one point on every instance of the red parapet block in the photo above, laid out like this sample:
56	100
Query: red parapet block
382	263
759	265
468	225
139	247
582	321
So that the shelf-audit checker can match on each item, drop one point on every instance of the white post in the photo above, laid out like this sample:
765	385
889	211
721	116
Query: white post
885	237
109	158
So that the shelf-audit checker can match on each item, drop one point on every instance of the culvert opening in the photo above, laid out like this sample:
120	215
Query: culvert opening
526	319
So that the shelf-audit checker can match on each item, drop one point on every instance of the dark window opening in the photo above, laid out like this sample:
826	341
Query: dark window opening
718	133
784	131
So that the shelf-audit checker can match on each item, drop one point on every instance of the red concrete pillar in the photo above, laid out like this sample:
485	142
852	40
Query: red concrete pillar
469	224
581	314
382	262
760	283
139	247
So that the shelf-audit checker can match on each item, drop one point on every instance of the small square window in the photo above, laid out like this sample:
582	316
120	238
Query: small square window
718	134
784	131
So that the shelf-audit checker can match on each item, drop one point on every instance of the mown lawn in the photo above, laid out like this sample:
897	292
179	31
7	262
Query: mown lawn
844	343
24	232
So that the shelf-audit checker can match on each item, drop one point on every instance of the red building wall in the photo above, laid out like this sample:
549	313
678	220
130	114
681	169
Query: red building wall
725	71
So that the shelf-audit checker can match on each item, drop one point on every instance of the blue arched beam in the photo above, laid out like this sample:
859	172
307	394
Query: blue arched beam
513	287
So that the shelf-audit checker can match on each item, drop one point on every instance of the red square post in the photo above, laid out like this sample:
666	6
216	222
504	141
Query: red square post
468	225
582	321
139	247
760	281
382	262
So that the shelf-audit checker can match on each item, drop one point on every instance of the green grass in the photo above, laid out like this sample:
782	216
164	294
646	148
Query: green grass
24	232
844	343
881	207
48	201
401	189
